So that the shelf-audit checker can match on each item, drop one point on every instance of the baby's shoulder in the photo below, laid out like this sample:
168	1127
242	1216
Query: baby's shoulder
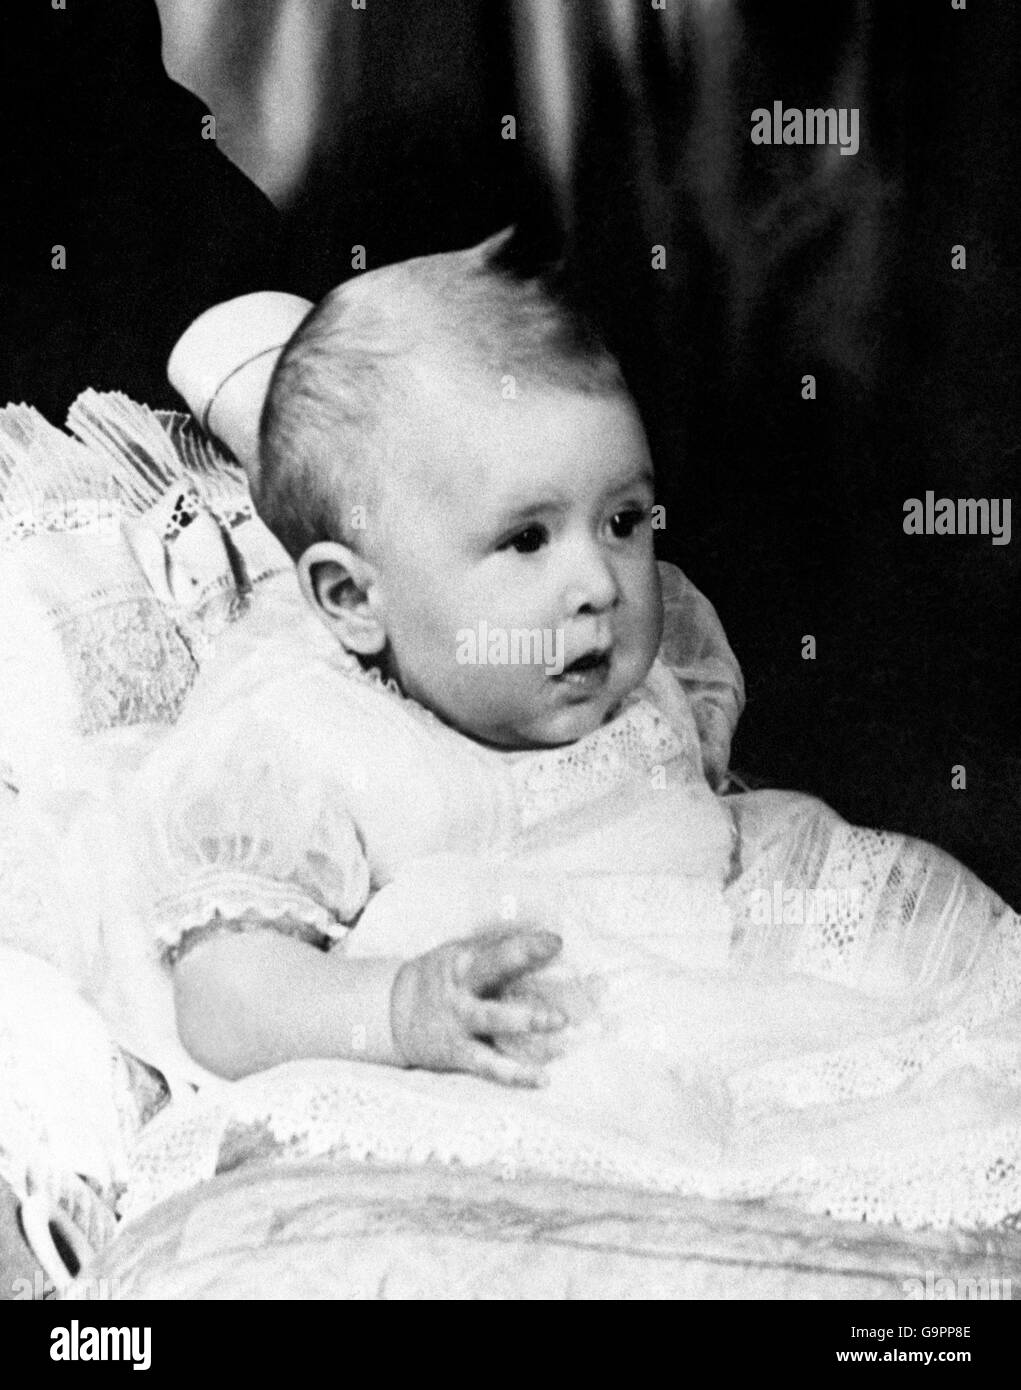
281	685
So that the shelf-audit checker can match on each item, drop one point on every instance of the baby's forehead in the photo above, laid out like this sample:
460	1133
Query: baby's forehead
475	440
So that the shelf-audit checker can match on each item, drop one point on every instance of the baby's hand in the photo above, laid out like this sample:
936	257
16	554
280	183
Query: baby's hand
576	997
444	1008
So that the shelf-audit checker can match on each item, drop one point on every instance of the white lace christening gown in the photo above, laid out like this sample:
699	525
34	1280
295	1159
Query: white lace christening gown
764	1000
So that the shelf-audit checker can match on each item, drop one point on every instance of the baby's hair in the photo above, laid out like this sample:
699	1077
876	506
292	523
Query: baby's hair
346	373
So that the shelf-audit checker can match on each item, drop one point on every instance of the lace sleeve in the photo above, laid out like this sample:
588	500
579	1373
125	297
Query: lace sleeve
245	822
696	650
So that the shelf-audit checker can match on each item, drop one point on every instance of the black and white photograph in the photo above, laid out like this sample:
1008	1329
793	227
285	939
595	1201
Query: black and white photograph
510	710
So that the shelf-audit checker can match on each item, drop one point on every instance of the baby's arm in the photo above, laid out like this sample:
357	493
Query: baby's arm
254	865
251	999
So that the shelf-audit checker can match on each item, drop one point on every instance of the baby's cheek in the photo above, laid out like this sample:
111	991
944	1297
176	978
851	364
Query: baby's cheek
485	702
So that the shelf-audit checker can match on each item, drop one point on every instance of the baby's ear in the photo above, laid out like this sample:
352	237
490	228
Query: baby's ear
338	584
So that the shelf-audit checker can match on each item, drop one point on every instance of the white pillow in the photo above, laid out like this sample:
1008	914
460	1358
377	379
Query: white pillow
124	548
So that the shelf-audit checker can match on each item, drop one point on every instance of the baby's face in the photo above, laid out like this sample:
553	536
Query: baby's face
516	580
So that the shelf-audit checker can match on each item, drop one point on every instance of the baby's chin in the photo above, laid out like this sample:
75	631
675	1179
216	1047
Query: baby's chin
554	717
553	729
561	722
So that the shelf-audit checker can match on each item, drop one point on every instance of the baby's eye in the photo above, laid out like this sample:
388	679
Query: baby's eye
526	542
626	522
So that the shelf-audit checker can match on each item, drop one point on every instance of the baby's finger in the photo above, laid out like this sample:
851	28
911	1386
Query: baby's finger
484	1017
493	1066
535	1048
500	959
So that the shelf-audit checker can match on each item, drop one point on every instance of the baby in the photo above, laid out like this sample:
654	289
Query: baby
454	462
446	799
389	828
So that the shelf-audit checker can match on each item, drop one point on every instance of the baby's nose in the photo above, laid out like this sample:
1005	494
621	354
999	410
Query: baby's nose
592	586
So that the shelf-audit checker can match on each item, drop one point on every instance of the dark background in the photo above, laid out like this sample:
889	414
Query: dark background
780	262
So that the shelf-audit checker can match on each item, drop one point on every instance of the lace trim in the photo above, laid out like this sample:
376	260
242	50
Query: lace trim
637	741
195	936
151	687
361	1114
117	459
166	548
373	677
234	897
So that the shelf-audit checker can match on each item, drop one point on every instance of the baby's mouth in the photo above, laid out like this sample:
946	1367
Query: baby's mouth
587	672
